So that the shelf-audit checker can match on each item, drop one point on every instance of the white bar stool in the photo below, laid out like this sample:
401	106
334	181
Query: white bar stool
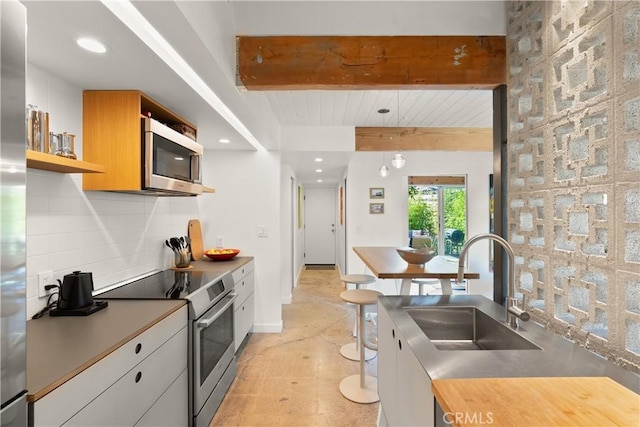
351	351
361	388
422	283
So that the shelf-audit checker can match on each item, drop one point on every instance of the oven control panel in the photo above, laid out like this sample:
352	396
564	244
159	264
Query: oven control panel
209	294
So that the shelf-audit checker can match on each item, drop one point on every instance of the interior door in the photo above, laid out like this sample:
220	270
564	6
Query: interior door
320	226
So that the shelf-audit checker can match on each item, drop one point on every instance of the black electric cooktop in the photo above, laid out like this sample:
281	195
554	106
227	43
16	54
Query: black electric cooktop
168	284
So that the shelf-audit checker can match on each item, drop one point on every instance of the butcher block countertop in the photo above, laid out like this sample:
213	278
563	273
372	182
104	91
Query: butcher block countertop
548	402
58	348
385	263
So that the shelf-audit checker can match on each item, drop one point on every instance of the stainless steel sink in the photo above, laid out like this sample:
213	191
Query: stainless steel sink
466	328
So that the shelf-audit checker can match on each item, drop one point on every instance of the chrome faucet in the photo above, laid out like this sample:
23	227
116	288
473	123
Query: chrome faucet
513	311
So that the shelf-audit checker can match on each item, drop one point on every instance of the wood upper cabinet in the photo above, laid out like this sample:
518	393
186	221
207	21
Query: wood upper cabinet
112	136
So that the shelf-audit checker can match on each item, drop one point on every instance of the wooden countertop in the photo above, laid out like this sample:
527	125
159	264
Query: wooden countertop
221	267
557	401
385	263
59	348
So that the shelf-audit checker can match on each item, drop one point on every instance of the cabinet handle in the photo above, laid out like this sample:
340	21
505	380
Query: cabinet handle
400	344
243	308
138	377
393	333
243	283
138	348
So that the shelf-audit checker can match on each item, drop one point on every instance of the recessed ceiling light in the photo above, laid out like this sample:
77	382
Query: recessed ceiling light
224	140
318	159
319	180
178	158
318	170
92	45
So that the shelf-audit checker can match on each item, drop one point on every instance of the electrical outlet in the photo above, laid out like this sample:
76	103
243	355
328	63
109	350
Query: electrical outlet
45	278
219	242
263	231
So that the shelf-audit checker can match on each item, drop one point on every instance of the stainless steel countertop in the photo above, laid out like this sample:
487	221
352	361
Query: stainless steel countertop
559	357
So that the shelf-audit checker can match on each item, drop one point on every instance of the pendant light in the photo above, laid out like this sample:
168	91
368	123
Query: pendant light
384	170
398	161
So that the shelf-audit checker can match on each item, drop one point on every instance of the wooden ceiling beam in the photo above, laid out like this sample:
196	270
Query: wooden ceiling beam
413	138
370	62
436	180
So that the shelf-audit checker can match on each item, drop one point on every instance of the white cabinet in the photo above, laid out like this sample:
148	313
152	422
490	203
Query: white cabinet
170	409
243	314
121	387
387	362
403	385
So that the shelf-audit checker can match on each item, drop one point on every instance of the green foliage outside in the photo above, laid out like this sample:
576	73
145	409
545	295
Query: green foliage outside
422	216
455	209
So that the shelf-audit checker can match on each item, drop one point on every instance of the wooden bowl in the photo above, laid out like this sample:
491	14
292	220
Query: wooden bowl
221	254
416	256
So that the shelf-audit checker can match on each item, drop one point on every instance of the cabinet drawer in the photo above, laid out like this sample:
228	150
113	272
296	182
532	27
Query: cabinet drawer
172	409
126	401
240	272
243	318
243	288
57	407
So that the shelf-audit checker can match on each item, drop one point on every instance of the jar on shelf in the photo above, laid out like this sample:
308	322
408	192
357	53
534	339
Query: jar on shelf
37	129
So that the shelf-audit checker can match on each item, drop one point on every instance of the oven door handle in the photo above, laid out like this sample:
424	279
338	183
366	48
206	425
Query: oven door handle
206	322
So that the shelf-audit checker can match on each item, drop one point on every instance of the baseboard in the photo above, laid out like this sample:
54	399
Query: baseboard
268	327
298	275
286	300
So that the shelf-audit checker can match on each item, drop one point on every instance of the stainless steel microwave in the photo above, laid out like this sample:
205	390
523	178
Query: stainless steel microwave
172	161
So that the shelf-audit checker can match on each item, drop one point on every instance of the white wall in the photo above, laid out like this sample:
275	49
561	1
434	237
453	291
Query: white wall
298	251
341	229
390	228
114	236
248	192
287	232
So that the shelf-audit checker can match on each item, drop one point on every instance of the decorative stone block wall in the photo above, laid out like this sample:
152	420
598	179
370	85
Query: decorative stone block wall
574	169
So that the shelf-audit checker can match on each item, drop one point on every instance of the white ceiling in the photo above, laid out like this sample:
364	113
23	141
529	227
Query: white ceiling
419	108
53	27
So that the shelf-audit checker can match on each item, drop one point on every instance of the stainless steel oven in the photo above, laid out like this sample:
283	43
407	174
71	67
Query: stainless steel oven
213	358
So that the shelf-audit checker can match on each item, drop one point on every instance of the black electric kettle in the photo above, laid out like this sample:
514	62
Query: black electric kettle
75	291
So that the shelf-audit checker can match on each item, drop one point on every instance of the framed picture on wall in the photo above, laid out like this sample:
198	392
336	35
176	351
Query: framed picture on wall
376	193
376	208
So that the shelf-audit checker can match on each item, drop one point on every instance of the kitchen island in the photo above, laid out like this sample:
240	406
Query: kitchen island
408	361
568	401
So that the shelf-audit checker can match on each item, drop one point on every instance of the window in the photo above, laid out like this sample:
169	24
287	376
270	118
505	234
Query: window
437	208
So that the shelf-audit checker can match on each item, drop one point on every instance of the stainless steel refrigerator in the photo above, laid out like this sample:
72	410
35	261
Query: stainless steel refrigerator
13	320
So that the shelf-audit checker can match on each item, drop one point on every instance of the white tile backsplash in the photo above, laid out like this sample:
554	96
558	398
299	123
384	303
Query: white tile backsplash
113	236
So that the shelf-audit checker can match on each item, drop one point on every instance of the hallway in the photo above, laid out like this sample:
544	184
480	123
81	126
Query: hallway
292	378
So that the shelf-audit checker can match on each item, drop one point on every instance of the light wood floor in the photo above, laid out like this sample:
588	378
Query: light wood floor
292	378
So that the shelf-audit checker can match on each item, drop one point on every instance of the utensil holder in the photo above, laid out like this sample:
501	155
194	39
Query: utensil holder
182	259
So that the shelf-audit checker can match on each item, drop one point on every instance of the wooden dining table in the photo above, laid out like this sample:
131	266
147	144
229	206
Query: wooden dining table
385	263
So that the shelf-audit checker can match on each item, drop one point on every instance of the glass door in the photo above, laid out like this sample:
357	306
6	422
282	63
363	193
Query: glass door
438	211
